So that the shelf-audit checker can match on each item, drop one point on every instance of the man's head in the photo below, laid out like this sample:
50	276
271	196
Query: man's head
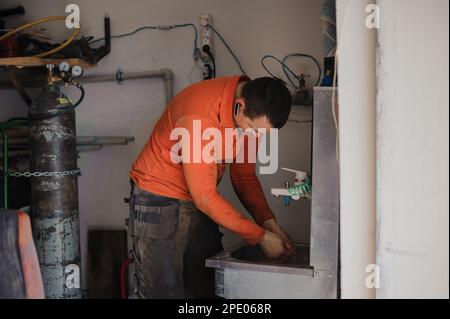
263	103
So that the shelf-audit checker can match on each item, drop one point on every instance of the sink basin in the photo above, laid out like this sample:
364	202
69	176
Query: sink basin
256	254
252	258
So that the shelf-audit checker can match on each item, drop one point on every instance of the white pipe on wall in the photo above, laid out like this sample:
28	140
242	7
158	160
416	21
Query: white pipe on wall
165	74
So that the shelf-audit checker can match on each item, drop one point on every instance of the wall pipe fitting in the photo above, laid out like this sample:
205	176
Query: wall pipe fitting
164	73
119	76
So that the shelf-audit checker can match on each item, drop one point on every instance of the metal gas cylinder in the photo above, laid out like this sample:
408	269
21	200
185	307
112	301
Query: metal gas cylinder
54	193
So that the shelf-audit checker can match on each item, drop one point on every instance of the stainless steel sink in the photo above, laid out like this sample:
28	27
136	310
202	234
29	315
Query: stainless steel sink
252	258
245	272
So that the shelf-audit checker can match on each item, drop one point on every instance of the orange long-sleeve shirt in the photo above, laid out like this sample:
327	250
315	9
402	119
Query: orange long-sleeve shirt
210	103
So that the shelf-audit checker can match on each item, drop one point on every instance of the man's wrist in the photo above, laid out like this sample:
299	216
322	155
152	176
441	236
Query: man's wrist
270	224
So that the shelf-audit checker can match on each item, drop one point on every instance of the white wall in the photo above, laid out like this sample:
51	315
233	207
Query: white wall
410	128
357	94
412	125
252	28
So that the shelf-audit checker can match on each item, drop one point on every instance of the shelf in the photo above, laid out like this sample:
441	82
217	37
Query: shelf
36	62
31	71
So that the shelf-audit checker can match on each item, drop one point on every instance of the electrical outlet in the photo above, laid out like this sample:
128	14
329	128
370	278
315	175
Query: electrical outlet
206	36
205	19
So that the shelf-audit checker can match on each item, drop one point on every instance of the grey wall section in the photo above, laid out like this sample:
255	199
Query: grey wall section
412	166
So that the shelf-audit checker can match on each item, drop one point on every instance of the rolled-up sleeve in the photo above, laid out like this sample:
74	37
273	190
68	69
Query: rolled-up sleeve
247	186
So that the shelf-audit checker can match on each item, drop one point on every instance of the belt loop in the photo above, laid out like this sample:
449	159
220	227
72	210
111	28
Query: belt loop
132	210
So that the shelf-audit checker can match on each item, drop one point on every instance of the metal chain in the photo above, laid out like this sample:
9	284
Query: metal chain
46	174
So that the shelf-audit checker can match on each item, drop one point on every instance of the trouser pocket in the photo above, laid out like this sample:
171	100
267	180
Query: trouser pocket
155	221
152	226
151	215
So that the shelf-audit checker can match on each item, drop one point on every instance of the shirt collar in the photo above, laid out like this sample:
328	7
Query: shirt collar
226	105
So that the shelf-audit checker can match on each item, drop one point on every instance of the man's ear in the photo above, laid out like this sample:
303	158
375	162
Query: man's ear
241	102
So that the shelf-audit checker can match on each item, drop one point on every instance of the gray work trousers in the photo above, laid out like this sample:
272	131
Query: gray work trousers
171	241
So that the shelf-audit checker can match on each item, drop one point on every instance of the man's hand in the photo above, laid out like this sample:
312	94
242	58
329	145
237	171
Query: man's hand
272	245
273	226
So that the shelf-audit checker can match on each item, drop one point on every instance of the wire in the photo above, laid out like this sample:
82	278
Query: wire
193	28
124	34
61	111
333	109
39	21
228	48
158	27
194	66
65	110
279	61
333	97
285	68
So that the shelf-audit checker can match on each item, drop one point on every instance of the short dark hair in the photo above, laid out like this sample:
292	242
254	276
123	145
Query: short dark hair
267	96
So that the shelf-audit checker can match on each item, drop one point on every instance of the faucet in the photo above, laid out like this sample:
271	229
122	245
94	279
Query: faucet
301	188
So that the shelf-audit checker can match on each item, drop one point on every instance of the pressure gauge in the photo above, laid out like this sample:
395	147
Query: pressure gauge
77	70
64	66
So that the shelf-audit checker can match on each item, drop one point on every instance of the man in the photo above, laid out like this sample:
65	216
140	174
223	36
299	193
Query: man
176	209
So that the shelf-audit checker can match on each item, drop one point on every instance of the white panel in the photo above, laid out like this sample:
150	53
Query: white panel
413	157
357	98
